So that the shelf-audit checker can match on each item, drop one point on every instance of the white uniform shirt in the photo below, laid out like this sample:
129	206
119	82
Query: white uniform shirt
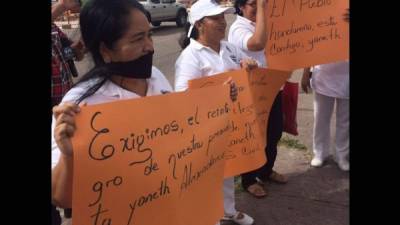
240	32
198	61
332	79
157	84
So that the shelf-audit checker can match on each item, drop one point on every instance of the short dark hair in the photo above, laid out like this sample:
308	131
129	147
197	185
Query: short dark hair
238	4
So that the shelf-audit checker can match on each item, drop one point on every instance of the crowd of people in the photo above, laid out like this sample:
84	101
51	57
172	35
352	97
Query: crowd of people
118	37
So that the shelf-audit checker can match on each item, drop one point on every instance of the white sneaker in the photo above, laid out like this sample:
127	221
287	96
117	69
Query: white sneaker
344	165
317	162
240	218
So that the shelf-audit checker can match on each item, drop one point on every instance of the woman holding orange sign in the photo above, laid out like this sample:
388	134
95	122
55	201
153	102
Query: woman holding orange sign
118	36
205	54
249	33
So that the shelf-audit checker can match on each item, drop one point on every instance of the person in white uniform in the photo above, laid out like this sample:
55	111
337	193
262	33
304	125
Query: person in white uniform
118	36
205	54
249	33
330	83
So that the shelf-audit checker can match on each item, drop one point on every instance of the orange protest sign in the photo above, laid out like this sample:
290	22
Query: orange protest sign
245	151
303	33
154	160
265	85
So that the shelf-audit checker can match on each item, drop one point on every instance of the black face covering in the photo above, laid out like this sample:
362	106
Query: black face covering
139	68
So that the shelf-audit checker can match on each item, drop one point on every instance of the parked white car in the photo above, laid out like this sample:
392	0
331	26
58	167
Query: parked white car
165	10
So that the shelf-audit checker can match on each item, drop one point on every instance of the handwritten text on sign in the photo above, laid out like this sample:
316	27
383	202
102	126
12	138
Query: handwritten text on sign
245	151
303	33
154	160
264	86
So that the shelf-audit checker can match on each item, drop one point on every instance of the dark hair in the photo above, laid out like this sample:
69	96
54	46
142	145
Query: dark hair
184	40
103	21
238	4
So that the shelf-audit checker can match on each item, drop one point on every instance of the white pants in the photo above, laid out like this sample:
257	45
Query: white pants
229	196
67	221
323	108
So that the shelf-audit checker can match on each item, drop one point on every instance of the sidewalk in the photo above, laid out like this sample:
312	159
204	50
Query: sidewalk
313	196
